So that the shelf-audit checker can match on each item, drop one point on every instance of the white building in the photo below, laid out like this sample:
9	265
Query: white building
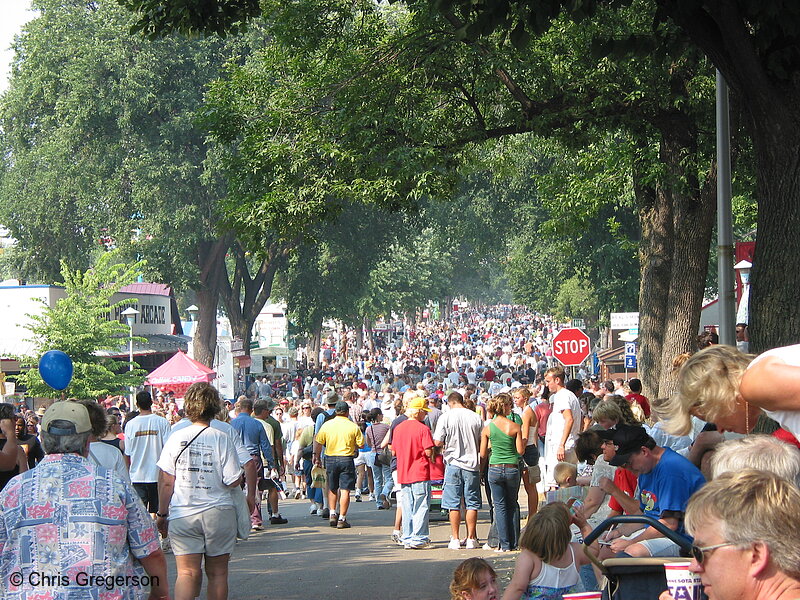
157	321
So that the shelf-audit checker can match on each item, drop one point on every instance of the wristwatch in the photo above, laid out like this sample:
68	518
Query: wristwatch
162	515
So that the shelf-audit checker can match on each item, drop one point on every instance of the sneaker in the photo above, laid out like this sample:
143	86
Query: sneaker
298	493
278	520
418	546
325	513
501	550
372	497
396	538
487	547
343	524
385	502
312	510
471	544
258	528
454	544
333	520
358	497
166	546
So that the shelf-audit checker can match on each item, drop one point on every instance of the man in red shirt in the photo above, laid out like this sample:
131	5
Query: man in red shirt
412	444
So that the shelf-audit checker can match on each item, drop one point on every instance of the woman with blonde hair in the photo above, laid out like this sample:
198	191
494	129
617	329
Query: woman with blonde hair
199	467
531	474
504	435
607	414
711	387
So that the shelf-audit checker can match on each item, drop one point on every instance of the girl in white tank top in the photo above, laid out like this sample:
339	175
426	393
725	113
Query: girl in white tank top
547	566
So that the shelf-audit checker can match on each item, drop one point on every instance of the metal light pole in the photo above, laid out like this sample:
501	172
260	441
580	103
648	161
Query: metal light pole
130	315
727	301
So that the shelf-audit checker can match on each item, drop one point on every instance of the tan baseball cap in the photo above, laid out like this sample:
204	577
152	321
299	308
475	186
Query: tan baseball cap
73	412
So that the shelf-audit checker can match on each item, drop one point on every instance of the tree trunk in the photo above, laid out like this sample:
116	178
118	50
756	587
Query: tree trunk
314	343
693	213
724	31
211	261
655	261
774	305
370	338
244	296
359	328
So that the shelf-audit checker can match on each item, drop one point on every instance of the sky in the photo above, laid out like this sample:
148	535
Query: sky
13	15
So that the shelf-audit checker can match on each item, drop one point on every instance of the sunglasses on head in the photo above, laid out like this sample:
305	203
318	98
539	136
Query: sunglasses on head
699	552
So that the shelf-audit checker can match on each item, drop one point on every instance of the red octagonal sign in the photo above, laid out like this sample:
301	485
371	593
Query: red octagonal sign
571	347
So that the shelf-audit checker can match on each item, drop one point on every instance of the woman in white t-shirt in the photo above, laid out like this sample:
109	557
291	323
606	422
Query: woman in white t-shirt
199	466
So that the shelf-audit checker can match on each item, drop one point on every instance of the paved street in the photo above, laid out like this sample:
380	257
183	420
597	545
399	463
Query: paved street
307	560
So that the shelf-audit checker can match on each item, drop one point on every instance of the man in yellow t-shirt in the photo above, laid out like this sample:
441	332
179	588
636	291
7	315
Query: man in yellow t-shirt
342	438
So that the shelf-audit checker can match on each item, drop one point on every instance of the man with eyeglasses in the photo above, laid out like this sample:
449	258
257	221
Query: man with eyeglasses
746	530
666	482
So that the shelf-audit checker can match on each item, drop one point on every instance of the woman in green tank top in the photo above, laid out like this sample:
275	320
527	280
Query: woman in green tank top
504	436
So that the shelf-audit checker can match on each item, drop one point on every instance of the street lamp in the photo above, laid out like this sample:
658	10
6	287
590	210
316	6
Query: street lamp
130	315
193	312
743	268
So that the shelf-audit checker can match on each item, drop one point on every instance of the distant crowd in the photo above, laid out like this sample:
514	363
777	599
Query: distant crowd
457	414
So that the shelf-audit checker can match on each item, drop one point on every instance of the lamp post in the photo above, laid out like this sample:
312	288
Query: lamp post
743	268
130	315
193	312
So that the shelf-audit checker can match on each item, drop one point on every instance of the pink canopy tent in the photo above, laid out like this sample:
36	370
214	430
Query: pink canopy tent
178	373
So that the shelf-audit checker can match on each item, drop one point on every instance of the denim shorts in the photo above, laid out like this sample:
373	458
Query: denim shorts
458	484
531	456
341	472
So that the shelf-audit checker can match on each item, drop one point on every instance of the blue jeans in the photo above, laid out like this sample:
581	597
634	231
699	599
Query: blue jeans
415	501
314	494
382	475
504	483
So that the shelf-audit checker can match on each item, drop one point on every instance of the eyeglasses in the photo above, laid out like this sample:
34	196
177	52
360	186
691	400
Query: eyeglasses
699	553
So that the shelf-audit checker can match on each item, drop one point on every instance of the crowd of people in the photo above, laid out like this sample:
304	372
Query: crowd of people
475	404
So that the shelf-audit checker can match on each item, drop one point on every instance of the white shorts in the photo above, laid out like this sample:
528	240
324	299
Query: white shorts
659	546
211	532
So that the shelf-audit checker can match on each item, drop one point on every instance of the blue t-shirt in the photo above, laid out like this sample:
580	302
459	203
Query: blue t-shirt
669	486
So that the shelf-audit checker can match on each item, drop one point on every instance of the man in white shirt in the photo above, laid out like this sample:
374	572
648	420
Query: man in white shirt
145	435
563	424
458	432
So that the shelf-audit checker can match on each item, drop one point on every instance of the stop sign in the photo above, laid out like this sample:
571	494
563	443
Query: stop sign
571	347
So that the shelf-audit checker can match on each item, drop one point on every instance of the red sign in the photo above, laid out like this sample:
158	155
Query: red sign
571	347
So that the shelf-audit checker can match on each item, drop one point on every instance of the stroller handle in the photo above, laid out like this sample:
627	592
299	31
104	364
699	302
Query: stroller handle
684	544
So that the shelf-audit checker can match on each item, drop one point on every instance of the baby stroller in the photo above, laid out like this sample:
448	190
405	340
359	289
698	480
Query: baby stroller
635	578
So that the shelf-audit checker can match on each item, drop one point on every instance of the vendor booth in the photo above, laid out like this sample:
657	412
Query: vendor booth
178	373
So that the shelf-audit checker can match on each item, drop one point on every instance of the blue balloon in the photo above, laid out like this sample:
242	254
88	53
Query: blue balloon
56	369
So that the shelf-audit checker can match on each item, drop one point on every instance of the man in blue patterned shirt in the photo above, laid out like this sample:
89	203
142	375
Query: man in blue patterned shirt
72	529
